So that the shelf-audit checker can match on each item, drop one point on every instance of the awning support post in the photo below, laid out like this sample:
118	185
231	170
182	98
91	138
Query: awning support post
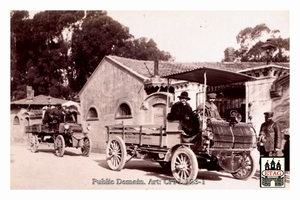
204	100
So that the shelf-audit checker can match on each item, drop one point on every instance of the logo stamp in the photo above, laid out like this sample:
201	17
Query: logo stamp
272	172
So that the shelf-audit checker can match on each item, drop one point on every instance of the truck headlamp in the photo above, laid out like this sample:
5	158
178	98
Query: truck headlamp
66	126
208	134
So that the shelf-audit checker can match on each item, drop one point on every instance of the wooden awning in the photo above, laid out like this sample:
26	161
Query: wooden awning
214	76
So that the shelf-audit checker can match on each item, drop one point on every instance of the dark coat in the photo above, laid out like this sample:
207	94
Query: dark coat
272	137
55	115
188	120
46	117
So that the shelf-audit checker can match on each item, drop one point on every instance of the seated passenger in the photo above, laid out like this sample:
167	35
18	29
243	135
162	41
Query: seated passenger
46	115
55	116
67	115
210	106
183	112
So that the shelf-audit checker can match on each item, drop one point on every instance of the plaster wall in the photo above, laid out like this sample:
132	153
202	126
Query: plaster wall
17	131
107	89
259	97
281	107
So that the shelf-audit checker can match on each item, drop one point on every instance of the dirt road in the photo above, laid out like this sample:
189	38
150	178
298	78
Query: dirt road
43	170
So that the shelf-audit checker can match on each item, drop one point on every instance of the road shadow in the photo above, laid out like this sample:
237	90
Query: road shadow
153	169
211	175
102	163
51	151
256	176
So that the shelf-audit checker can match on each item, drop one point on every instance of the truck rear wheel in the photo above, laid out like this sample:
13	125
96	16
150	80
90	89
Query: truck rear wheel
249	166
34	143
116	153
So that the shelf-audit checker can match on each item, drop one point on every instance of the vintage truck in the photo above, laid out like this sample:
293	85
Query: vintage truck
66	133
229	145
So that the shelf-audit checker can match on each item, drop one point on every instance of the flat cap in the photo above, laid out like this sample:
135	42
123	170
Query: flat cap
211	95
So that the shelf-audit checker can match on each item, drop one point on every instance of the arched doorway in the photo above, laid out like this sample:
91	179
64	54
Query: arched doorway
159	114
156	108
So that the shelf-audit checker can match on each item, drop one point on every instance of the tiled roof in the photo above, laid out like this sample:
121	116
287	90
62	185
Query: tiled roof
39	100
146	68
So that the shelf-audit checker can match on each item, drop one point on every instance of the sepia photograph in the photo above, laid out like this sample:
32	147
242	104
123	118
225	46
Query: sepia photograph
139	99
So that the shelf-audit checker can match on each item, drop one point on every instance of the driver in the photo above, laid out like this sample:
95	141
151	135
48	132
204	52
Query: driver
183	112
210	106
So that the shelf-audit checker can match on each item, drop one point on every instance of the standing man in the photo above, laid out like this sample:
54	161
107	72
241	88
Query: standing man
183	112
270	137
210	106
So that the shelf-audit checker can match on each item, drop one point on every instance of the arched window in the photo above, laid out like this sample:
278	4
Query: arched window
16	121
123	111
92	114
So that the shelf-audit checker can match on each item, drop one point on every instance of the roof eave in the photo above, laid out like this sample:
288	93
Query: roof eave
262	67
222	77
140	77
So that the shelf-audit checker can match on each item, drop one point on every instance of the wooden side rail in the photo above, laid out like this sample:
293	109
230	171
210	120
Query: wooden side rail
139	131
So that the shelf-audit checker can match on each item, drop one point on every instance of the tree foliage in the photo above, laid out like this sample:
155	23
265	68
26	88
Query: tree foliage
56	51
251	41
142	49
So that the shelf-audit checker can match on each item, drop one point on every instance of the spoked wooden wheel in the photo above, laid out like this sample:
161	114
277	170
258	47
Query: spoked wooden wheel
116	153
184	165
248	167
34	143
59	146
87	146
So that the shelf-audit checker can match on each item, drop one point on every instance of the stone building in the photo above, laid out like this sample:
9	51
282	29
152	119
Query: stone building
128	91
269	92
28	111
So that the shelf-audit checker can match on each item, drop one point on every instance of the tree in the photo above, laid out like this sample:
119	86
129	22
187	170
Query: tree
142	49
229	54
249	36
19	40
55	52
41	52
283	50
94	38
99	35
251	41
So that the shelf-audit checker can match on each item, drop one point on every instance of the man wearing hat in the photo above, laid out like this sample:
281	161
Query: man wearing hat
210	106
46	115
55	117
183	112
270	137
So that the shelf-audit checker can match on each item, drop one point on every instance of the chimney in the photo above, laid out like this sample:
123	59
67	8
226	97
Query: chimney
30	93
156	68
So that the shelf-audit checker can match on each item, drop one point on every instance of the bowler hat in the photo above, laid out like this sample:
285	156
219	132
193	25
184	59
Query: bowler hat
211	95
268	114
184	95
